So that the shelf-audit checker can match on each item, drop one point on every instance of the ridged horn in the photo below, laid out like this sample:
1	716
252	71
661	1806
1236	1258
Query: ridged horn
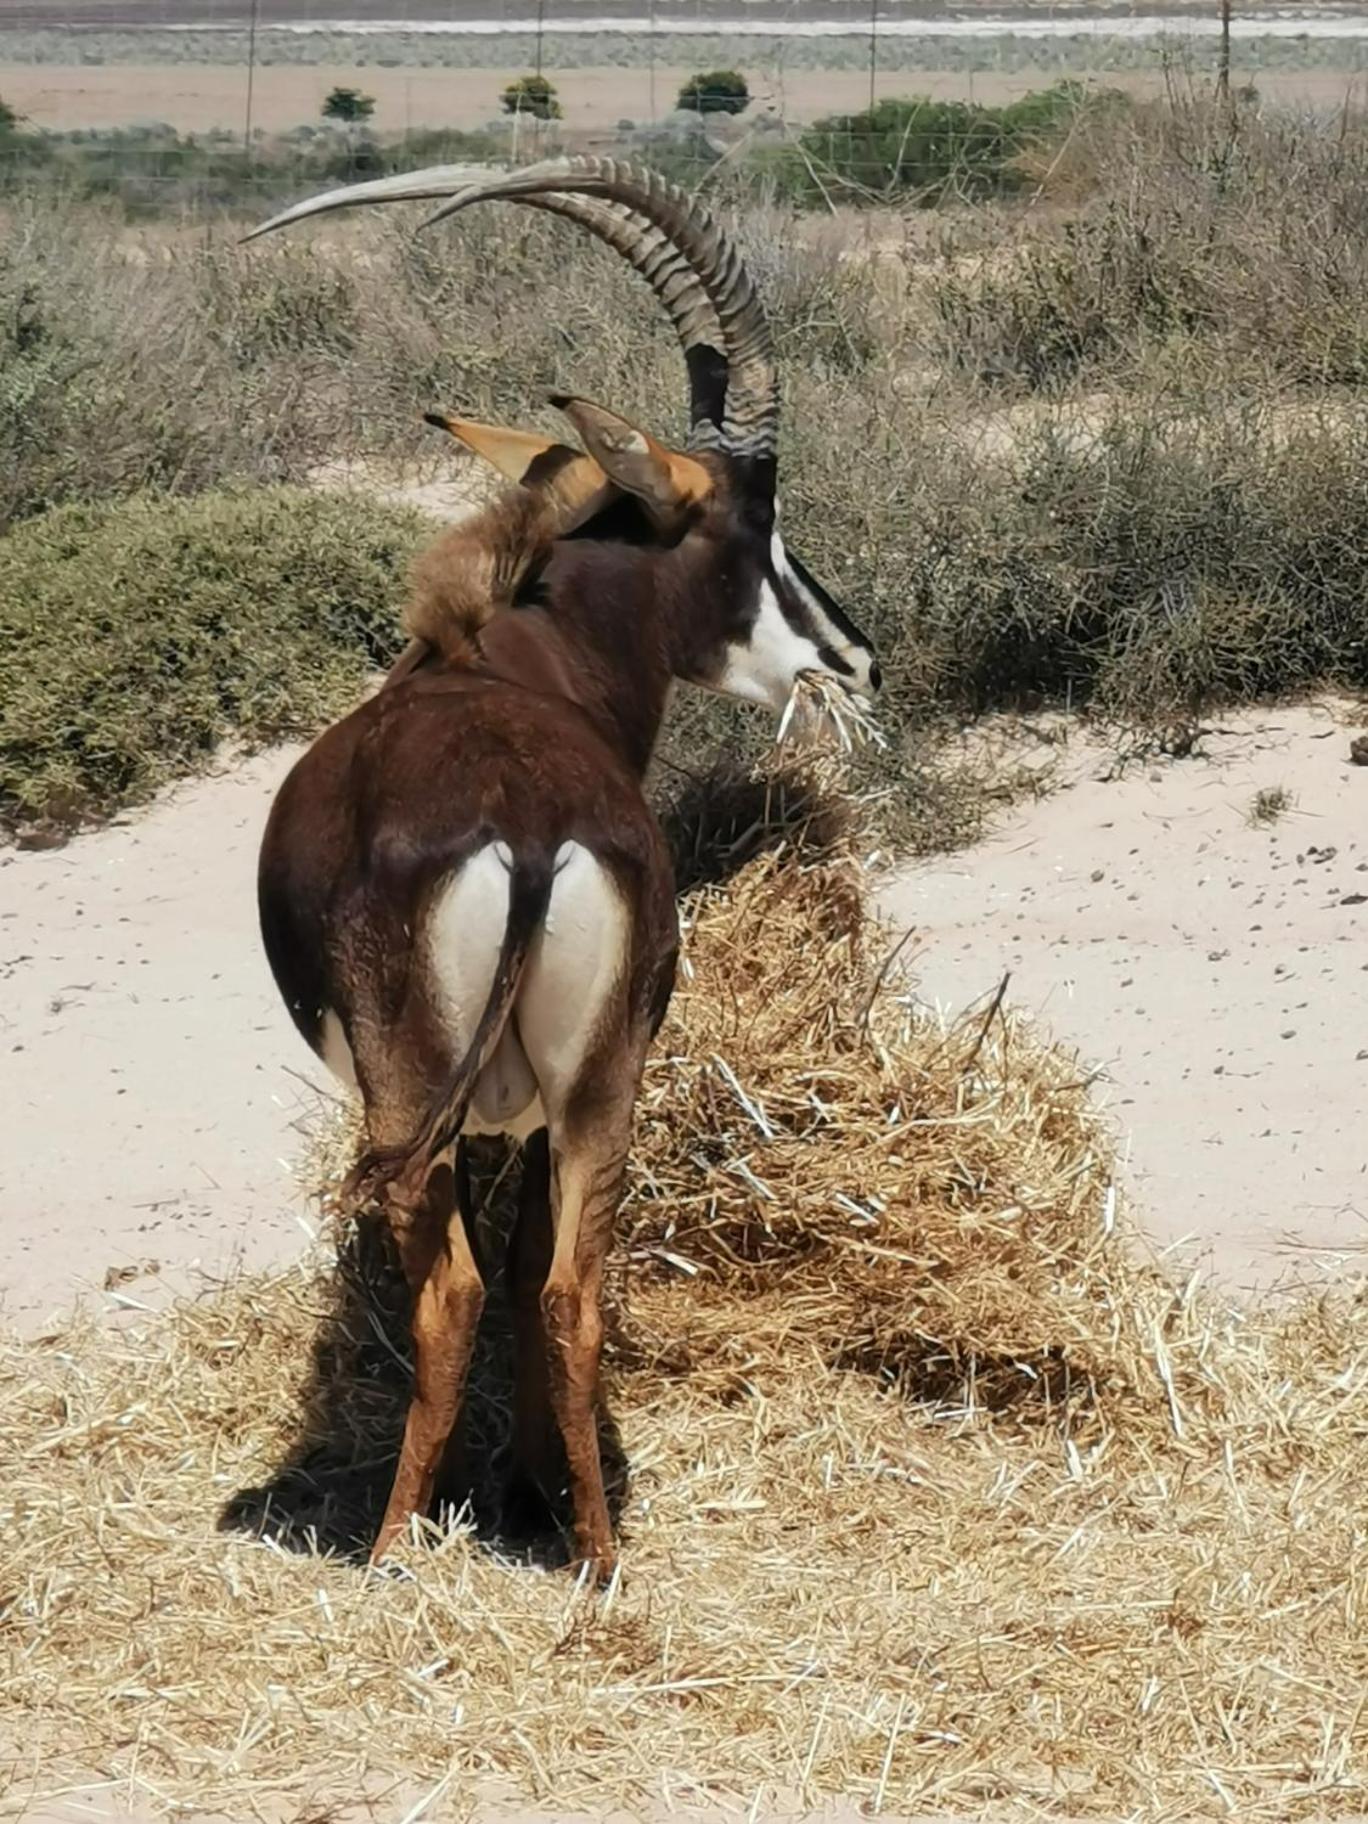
646	247
407	187
751	416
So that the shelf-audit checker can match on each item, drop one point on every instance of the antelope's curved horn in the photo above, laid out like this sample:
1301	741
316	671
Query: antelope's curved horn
647	248
651	251
703	252
407	187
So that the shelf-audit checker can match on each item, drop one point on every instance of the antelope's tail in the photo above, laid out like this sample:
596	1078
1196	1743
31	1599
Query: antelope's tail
408	1166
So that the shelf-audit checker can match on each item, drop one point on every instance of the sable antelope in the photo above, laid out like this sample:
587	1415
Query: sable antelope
466	902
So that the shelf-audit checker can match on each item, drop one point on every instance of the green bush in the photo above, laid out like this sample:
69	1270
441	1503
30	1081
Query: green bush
533	95
135	638
348	105
931	147
715	92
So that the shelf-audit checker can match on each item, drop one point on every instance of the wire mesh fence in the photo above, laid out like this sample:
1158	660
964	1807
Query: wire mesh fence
208	100
208	103
214	102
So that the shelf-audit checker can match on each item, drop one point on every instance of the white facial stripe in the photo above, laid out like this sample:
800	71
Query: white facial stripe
833	637
828	634
763	670
765	667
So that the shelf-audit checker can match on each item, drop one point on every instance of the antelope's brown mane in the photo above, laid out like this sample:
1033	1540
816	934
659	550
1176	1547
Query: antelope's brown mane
473	569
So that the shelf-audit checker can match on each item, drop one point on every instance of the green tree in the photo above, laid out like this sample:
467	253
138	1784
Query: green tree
9	118
349	106
715	92
533	95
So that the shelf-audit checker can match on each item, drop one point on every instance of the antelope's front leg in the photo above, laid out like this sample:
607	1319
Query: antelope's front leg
448	1296
588	1159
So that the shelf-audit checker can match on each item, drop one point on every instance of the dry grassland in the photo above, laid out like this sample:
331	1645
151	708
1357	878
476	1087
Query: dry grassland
934	1492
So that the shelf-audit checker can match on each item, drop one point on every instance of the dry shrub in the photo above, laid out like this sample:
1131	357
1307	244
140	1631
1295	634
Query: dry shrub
1190	531
1176	223
936	1494
815	1149
137	636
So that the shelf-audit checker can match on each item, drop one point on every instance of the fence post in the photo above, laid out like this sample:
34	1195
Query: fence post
251	77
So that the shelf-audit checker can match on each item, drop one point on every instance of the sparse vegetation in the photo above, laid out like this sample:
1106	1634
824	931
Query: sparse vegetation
1210	248
153	172
1269	804
715	92
1099	455
1017	51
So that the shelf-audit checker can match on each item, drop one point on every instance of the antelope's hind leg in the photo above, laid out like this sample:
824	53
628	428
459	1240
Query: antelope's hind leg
448	1297
588	1161
574	1016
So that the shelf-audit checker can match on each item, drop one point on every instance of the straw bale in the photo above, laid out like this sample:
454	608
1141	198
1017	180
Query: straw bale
934	1491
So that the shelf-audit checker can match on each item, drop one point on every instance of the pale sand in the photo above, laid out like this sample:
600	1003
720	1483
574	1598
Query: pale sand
152	1082
197	98
144	1055
1216	972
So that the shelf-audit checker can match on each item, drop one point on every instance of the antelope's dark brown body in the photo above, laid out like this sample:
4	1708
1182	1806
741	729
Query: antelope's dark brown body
396	797
465	898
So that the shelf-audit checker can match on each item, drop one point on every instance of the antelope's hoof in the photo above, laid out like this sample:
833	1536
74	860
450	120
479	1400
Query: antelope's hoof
596	1552
601	1563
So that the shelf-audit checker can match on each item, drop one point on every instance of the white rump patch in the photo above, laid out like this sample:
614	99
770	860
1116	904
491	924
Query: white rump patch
334	1050
575	967
574	963
465	933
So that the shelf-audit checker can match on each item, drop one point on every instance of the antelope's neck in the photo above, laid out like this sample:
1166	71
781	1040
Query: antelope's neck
603	640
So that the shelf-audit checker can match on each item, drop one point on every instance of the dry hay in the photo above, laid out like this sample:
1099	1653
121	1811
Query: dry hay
940	1495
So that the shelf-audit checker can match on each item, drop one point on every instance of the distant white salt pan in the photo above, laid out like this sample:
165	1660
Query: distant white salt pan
1253	25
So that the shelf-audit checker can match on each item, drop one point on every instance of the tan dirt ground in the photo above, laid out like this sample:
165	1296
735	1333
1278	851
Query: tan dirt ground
199	97
145	1061
1215	971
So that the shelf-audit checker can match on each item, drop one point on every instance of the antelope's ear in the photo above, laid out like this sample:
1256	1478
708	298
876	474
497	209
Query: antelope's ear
667	482
517	455
573	480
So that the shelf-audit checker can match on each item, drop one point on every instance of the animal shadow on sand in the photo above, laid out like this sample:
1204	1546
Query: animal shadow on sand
329	1493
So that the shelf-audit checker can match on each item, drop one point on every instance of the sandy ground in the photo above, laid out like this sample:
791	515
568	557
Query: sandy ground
1216	972
199	97
145	1061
